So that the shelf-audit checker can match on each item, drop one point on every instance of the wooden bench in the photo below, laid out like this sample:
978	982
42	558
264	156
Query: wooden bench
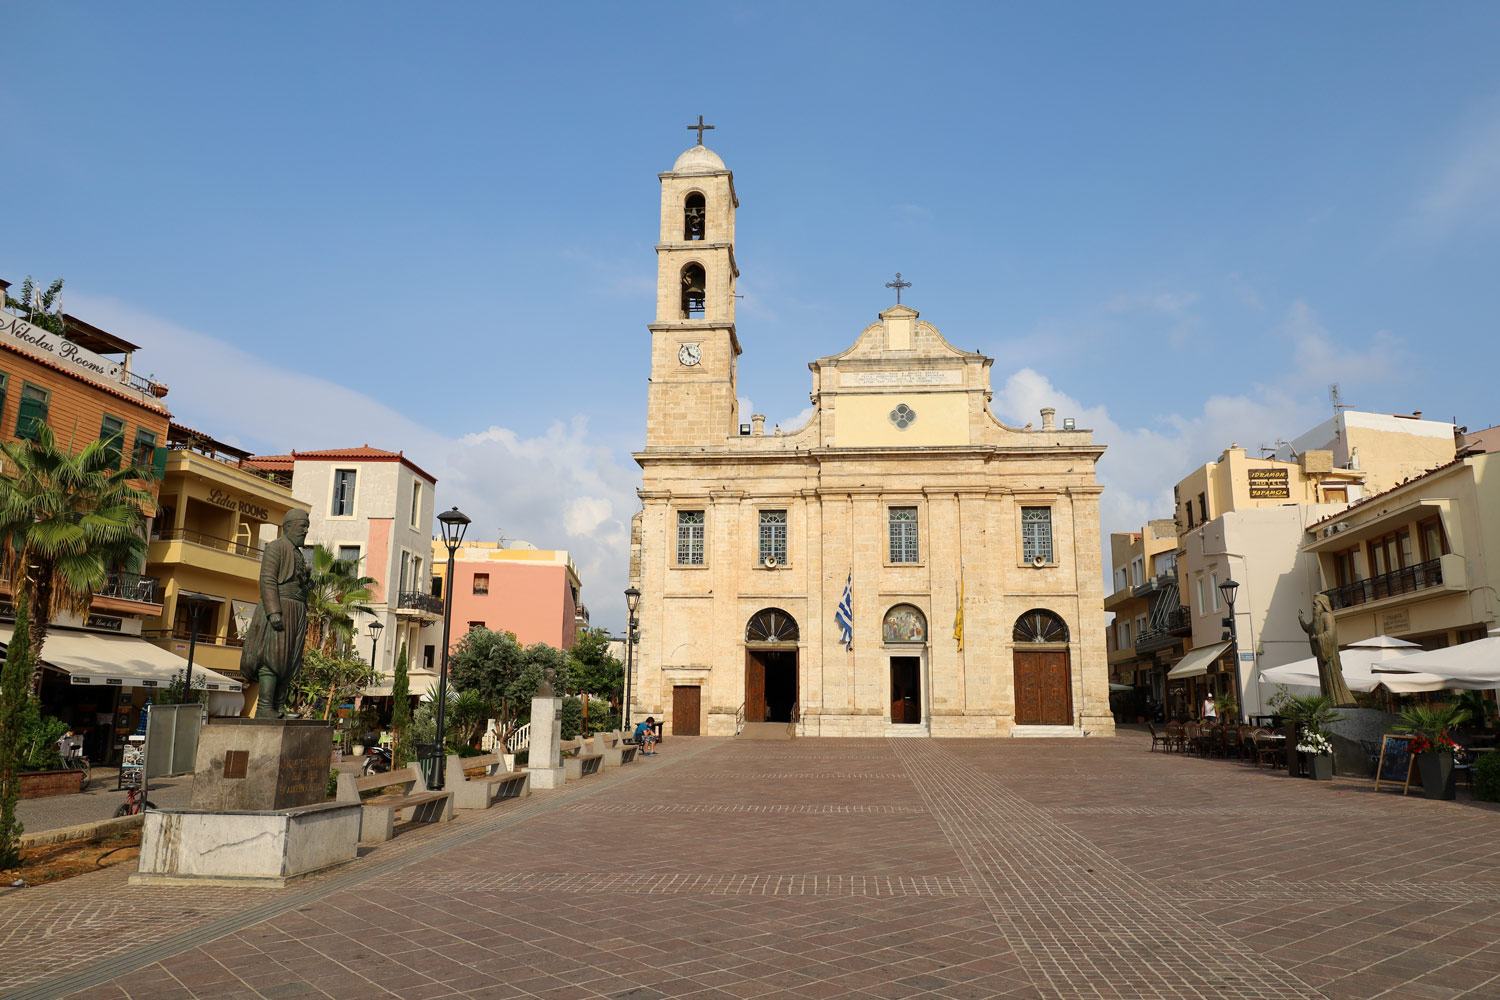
616	752
493	782
576	762
378	818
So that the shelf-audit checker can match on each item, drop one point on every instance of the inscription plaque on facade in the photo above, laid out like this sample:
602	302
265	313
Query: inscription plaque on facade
1269	484
948	376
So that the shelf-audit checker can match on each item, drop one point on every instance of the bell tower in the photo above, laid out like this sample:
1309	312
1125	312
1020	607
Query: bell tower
692	399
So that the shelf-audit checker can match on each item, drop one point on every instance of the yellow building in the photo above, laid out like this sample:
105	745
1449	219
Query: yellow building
1420	561
205	548
1146	637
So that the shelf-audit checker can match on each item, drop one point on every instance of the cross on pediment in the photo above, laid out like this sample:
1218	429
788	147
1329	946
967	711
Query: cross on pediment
898	284
700	128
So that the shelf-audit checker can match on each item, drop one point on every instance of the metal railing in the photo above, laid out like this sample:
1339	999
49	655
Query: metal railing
1164	629
417	600
183	634
131	587
211	541
1406	580
739	719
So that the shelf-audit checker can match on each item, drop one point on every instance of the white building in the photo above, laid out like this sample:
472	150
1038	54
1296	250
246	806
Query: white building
374	507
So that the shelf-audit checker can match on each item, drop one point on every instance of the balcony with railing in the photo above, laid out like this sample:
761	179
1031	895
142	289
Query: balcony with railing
1167	630
1427	579
419	602
131	587
233	546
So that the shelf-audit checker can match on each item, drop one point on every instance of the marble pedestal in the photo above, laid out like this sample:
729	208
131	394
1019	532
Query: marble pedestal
207	847
259	814
544	760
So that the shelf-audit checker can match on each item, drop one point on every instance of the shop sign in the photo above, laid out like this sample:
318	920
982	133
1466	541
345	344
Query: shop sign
1269	484
229	501
105	622
65	352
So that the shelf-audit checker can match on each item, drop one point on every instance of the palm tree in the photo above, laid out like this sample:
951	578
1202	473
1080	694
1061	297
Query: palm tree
49	315
338	594
66	522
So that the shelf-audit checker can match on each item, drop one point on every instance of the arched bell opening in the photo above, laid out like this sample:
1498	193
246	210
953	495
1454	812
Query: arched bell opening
694	291
694	217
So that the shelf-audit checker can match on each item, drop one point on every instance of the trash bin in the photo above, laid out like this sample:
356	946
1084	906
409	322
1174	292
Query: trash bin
430	760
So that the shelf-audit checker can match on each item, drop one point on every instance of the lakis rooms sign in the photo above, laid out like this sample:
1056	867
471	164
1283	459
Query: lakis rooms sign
64	352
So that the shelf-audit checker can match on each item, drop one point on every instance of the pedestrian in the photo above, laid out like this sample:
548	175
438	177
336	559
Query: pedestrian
645	736
1208	707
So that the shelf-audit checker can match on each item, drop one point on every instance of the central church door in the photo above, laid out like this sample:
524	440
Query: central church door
1043	695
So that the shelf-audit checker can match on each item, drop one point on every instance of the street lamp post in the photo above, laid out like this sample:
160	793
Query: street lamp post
375	628
195	609
632	601
1230	590
453	524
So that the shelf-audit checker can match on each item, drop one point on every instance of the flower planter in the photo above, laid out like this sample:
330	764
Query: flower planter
1437	774
1319	766
40	784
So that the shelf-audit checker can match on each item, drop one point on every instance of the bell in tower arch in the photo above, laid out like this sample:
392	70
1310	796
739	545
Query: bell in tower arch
693	293
694	218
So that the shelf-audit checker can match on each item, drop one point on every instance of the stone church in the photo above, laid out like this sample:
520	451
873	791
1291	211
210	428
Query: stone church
902	500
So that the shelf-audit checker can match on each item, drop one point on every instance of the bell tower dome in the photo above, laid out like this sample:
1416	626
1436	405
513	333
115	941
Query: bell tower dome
693	399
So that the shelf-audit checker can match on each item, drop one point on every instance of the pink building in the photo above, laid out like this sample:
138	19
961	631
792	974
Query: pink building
531	592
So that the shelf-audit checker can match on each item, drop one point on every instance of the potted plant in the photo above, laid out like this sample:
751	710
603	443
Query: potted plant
1317	754
1308	713
1433	748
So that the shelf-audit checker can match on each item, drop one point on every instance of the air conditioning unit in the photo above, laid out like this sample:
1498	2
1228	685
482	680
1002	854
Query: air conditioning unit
770	562
1038	561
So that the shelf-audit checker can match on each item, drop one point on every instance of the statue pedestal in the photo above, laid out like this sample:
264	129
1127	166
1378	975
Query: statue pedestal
544	759
259	814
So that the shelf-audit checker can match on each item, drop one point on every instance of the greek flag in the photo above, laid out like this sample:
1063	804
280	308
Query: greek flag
844	616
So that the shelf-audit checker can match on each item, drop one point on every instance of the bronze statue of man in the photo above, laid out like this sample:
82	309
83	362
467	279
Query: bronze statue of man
273	644
1323	637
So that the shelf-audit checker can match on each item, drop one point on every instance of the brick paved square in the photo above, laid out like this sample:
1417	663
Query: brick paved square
1044	870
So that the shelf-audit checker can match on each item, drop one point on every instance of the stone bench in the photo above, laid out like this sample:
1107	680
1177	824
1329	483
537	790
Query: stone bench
577	762
495	782
378	815
614	749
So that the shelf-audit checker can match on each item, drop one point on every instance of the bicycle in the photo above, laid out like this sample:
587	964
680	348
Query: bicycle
134	803
78	762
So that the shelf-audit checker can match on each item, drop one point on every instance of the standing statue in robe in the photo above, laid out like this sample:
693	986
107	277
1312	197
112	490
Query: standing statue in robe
272	655
1323	637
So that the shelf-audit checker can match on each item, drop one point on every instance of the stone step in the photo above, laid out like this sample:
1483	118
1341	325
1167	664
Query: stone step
898	730
766	731
1045	732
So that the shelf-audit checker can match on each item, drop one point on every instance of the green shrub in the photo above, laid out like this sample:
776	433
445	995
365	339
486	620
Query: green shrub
39	736
1487	777
572	718
333	784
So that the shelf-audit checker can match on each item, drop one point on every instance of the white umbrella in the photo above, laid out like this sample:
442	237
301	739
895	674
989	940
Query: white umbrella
1469	665
1360	660
1120	687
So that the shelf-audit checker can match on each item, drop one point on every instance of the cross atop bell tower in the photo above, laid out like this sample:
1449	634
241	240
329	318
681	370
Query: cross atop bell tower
694	347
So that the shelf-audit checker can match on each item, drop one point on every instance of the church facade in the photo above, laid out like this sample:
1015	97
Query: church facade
903	564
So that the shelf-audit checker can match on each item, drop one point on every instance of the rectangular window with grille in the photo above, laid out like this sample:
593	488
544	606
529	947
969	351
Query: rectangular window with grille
343	493
690	538
1036	533
773	535
112	433
903	521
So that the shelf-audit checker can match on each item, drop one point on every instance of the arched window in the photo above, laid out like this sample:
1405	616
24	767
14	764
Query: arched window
1040	625
772	625
693	292
694	218
904	623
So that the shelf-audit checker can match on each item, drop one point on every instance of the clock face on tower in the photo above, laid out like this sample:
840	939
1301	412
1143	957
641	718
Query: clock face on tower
690	354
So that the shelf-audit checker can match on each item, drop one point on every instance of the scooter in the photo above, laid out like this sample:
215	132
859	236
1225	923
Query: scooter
377	760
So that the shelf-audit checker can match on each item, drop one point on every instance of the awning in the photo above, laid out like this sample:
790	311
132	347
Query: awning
1195	663
119	661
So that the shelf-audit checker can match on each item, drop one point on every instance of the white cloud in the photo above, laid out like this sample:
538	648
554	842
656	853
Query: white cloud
1466	190
556	490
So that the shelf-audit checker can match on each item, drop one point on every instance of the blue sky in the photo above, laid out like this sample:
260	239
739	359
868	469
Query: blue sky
432	226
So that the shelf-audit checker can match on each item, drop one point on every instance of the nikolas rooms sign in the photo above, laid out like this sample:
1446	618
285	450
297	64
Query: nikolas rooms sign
64	352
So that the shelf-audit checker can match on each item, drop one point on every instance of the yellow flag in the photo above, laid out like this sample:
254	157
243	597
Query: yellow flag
958	618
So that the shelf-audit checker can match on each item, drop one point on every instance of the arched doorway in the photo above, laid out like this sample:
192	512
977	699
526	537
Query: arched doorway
771	639
904	632
1044	689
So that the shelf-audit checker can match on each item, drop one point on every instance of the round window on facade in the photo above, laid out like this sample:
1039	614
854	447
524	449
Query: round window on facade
903	416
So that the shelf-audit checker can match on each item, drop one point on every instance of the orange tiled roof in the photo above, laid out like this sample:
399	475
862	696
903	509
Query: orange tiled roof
364	453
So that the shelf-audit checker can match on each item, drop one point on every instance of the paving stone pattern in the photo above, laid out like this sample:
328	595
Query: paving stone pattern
1029	869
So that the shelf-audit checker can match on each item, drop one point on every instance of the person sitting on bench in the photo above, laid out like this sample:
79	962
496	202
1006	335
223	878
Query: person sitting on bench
645	735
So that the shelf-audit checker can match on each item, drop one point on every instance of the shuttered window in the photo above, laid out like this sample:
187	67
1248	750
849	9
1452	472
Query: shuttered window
343	493
144	454
112	433
4	385
33	411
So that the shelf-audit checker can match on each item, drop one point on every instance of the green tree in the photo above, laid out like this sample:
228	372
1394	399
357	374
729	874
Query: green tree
490	664
331	678
401	713
15	673
591	668
338	593
66	522
49	317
